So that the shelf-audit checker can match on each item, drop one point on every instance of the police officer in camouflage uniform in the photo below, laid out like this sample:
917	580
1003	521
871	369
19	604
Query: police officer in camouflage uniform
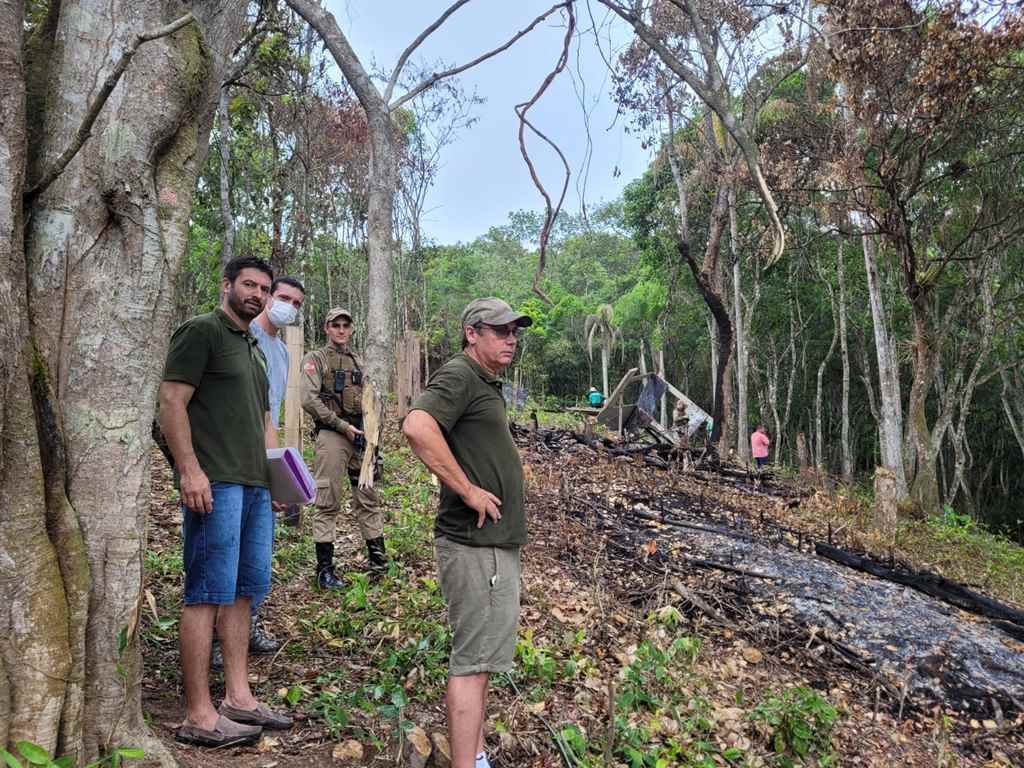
332	394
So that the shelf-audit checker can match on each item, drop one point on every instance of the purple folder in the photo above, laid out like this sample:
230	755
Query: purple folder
290	480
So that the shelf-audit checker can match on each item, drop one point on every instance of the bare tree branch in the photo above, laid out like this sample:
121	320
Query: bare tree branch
416	44
712	92
355	74
96	106
550	213
433	79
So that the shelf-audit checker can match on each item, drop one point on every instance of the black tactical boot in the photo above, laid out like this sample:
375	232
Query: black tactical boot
260	643
325	578
376	555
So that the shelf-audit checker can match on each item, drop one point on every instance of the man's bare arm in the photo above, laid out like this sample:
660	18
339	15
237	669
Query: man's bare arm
428	443
195	486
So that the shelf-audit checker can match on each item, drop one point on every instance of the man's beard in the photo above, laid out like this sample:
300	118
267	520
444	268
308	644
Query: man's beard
245	311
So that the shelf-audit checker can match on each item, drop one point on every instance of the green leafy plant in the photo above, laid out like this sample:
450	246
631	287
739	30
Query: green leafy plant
799	725
35	755
537	663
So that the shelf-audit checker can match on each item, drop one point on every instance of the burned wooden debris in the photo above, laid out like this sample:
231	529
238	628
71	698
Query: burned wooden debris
710	530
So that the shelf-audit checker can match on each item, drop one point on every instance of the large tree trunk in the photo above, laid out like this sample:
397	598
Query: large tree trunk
34	662
102	246
890	423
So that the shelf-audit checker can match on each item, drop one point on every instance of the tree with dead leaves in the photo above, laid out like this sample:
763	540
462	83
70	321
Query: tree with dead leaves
935	95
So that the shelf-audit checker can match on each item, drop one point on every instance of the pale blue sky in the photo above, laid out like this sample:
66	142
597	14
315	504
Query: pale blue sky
484	177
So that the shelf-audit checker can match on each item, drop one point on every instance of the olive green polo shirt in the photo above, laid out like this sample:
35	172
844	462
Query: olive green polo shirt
467	404
231	398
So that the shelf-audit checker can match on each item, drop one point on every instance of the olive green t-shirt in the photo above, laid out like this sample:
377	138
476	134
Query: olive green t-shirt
231	399
467	404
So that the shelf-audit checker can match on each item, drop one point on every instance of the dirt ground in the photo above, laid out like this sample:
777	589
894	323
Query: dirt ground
589	605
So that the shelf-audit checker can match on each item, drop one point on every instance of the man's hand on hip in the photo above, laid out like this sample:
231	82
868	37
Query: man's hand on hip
484	502
196	493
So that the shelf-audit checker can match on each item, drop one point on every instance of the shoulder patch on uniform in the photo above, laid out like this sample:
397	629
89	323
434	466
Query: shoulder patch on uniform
310	367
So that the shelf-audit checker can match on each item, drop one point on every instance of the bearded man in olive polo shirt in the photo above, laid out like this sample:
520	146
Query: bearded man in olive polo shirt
459	428
214	412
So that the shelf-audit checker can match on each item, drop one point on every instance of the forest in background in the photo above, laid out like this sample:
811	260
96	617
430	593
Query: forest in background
903	165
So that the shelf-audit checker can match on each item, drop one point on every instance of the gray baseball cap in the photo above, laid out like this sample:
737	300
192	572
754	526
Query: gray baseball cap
493	311
337	312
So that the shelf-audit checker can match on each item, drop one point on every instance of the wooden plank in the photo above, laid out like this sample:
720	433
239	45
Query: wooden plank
407	367
293	398
616	395
373	427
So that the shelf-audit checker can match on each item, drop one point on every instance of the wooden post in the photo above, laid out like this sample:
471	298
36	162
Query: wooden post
408	384
885	504
292	399
643	360
801	451
401	376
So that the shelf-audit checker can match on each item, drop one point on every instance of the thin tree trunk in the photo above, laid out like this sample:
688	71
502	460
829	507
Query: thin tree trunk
791	351
846	452
1012	397
227	250
278	179
819	432
728	416
925	485
742	438
664	396
890	423
605	353
713	346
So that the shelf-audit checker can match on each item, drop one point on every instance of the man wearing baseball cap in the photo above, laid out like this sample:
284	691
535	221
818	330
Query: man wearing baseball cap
332	394
459	428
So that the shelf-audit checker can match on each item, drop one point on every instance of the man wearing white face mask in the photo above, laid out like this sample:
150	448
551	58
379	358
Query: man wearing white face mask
286	295
282	308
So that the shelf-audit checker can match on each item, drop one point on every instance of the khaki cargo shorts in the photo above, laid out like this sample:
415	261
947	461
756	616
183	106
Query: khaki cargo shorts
481	587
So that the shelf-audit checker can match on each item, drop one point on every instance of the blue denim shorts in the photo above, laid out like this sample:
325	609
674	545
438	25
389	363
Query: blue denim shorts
227	552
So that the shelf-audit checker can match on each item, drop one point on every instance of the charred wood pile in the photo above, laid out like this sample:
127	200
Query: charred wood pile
665	519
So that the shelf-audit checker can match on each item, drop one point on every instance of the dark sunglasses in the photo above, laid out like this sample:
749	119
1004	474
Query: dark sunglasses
502	331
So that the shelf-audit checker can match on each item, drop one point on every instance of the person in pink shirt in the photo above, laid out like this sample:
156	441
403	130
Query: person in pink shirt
759	443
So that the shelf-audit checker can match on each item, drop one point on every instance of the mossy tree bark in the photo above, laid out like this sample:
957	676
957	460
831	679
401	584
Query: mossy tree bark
88	265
